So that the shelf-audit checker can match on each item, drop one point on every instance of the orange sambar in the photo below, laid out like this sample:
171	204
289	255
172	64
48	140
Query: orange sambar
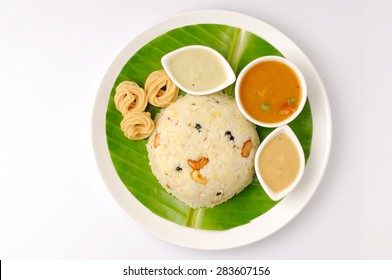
270	91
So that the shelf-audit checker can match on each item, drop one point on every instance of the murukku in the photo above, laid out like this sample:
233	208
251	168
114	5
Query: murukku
160	89
130	97
137	125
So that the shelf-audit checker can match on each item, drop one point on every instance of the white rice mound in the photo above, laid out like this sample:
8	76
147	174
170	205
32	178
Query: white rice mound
193	127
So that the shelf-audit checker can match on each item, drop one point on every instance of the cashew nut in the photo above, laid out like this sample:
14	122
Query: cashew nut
198	178
156	140
198	164
245	151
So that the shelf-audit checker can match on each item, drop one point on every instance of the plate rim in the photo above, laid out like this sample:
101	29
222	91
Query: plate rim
262	226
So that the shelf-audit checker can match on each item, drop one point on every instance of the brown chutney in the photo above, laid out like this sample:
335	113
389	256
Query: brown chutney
279	162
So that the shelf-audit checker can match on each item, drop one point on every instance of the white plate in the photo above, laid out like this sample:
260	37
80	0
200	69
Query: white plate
267	223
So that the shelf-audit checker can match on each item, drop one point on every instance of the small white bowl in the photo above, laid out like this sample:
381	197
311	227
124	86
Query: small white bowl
279	195
301	81
230	76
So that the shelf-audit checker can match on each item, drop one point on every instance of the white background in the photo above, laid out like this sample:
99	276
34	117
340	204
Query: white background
53	203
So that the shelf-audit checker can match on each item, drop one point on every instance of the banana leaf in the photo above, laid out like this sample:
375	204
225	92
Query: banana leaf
130	158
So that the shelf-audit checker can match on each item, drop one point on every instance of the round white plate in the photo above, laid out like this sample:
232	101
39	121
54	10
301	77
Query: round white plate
267	223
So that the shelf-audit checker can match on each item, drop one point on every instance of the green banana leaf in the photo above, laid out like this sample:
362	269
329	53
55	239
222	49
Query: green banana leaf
130	157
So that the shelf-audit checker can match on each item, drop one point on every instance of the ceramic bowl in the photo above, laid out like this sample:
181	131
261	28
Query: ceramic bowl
301	82
270	192
229	74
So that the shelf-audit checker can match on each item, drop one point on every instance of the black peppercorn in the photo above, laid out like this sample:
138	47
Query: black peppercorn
231	137
198	127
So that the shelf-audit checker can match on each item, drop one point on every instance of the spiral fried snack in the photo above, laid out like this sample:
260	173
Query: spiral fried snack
137	125
130	97
161	91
